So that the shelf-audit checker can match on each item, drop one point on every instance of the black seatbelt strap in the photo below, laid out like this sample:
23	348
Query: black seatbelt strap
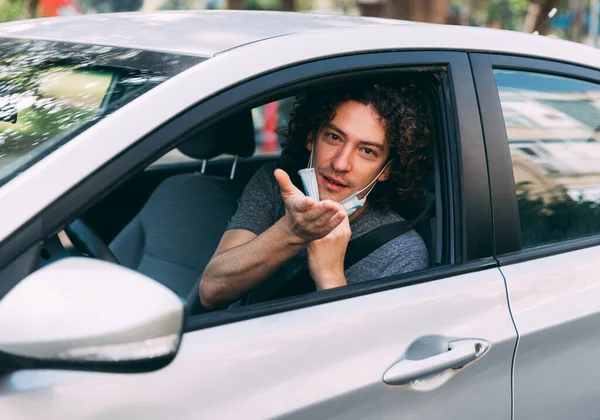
362	246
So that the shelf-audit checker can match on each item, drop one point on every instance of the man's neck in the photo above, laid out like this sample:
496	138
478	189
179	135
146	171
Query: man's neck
358	211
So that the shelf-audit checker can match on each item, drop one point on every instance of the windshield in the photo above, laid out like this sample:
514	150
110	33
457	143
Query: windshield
51	91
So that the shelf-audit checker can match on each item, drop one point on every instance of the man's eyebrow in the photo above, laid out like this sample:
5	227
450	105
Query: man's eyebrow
372	144
363	142
333	127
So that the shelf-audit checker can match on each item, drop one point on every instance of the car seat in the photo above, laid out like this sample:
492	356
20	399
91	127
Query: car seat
175	234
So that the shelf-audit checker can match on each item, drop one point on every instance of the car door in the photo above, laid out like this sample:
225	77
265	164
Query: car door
545	187
431	344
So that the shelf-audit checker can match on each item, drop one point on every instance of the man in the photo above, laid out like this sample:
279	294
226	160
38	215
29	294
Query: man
369	139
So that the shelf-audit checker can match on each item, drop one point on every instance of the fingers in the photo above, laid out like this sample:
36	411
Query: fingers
333	215
324	217
285	184
322	209
299	203
335	221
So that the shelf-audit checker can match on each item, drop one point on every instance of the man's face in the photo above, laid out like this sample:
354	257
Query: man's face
349	152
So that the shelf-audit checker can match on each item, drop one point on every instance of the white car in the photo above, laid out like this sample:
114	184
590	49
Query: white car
125	141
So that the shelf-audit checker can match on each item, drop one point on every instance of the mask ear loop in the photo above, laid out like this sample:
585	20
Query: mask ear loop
312	149
372	183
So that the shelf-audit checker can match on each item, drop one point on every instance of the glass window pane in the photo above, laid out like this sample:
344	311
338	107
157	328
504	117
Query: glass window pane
51	91
553	127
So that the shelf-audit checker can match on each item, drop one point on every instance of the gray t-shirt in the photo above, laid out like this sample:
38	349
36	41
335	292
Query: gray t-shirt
261	205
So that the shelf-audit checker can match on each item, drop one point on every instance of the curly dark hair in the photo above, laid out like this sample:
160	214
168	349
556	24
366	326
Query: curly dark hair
406	115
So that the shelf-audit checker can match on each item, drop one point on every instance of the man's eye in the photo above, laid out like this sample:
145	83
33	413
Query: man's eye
334	137
369	152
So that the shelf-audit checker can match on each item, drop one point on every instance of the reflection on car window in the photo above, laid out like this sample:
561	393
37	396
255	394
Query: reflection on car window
50	91
553	127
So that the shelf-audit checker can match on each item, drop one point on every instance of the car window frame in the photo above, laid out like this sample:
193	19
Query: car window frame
505	213
472	223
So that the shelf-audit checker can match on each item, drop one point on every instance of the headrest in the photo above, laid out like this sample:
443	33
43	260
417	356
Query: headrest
233	135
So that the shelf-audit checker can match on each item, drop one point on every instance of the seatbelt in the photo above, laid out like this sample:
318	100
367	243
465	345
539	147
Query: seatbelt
364	245
357	249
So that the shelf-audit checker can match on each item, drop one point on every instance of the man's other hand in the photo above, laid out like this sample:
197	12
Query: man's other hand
326	257
307	219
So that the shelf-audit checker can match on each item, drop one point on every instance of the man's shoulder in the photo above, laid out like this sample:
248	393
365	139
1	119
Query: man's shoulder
263	179
381	217
260	203
409	248
266	171
404	253
373	218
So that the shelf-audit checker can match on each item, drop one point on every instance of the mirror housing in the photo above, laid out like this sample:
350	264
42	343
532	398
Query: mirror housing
86	314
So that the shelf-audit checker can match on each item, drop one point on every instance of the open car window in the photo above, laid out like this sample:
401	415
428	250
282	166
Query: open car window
267	120
196	192
167	222
51	91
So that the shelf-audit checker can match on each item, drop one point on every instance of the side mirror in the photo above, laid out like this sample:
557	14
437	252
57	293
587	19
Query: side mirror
87	314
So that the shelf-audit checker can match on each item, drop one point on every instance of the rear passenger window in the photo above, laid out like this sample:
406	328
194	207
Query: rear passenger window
553	127
267	120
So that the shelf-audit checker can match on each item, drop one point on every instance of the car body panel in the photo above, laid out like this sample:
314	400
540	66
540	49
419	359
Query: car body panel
324	361
204	33
553	283
554	302
303	35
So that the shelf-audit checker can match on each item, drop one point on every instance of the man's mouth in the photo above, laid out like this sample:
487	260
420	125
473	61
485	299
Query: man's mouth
333	183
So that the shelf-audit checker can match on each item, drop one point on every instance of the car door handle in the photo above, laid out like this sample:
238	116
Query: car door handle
460	352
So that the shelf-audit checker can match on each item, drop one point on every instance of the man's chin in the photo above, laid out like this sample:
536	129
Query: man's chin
328	196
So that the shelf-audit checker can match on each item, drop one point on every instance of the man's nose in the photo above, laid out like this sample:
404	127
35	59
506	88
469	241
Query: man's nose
342	161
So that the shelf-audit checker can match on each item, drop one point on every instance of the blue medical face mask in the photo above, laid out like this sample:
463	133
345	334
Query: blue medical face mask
311	188
309	179
353	203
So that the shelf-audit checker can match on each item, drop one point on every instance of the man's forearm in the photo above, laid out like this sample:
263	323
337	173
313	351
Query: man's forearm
233	273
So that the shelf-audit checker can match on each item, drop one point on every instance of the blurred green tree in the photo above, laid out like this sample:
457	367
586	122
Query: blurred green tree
505	14
175	5
559	218
17	9
107	6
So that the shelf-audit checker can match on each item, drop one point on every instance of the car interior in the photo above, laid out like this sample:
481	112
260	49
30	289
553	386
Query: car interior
167	220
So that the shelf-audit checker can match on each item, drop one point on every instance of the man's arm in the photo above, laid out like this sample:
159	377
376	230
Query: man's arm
326	257
244	260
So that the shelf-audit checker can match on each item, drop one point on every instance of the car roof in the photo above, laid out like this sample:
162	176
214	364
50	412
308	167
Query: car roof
208	33
197	32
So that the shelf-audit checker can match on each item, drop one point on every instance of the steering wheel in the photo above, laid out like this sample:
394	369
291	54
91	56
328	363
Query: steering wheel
88	242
